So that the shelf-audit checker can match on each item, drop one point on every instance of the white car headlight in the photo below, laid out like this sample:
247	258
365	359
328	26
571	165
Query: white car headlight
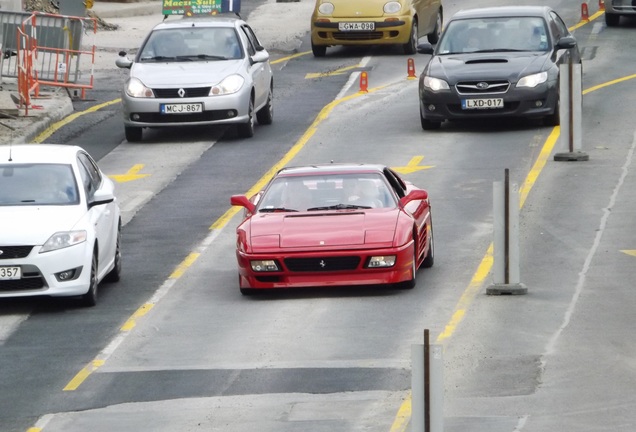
229	85
533	80
392	7
135	88
264	266
64	239
326	8
381	261
435	84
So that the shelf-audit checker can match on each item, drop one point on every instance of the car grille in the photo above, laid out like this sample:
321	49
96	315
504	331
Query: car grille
482	87
12	252
322	264
357	36
173	93
184	118
29	281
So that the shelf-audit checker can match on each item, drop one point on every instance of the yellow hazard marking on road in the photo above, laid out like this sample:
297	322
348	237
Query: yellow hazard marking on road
631	252
132	174
330	73
132	321
413	166
83	374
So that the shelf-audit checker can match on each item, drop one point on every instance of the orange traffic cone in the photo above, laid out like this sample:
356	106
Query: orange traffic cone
585	16
411	68
364	82
601	5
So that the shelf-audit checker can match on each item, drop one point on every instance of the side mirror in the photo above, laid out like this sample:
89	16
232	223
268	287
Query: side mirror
260	56
102	196
425	48
416	195
123	61
566	42
242	201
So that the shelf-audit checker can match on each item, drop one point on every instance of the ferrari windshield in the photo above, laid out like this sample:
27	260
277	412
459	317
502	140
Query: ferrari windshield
327	192
494	34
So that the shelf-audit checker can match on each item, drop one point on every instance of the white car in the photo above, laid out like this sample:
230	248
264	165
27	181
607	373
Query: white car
61	227
198	71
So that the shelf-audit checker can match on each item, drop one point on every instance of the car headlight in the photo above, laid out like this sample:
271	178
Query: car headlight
229	85
135	88
381	261
392	7
533	80
264	266
63	239
435	84
326	8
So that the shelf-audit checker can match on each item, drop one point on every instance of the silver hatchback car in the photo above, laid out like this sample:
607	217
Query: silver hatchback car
198	71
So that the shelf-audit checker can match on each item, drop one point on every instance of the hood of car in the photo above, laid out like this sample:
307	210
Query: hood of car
33	225
454	68
358	8
270	231
186	74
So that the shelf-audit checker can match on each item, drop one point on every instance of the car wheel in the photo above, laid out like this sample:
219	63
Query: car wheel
428	124
115	274
133	134
411	46
433	37
246	130
430	256
90	298
318	50
265	115
611	20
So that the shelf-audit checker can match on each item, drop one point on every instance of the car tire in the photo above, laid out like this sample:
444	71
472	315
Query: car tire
411	46
318	50
90	298
246	130
115	274
133	134
612	20
433	37
428	124
265	115
429	259
410	284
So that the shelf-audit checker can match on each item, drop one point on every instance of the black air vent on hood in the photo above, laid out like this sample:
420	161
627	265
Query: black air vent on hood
487	60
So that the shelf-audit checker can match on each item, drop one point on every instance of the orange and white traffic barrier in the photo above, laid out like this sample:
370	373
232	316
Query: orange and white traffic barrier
364	82
411	68
585	15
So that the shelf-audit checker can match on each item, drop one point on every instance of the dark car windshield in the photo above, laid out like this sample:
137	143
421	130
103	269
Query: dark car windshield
335	192
494	34
37	184
191	44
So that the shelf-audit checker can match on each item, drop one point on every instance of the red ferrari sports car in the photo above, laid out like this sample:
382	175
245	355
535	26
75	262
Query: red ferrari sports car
333	225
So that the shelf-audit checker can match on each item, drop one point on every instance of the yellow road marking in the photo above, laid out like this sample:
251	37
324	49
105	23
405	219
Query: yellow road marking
413	166
185	264
335	72
66	120
132	321
83	374
132	174
631	252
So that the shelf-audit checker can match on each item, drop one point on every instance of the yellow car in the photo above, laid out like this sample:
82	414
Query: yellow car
374	22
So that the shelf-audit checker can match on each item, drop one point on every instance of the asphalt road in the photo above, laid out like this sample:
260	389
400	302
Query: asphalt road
174	346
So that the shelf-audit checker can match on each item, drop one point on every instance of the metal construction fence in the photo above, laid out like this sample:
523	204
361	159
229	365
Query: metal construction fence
54	47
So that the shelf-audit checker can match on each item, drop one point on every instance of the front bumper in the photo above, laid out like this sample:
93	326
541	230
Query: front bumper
39	273
350	270
396	31
534	102
146	112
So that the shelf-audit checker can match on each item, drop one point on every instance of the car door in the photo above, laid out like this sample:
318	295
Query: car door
102	217
261	72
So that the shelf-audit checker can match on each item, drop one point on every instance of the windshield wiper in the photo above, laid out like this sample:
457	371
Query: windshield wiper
208	57
276	209
339	207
